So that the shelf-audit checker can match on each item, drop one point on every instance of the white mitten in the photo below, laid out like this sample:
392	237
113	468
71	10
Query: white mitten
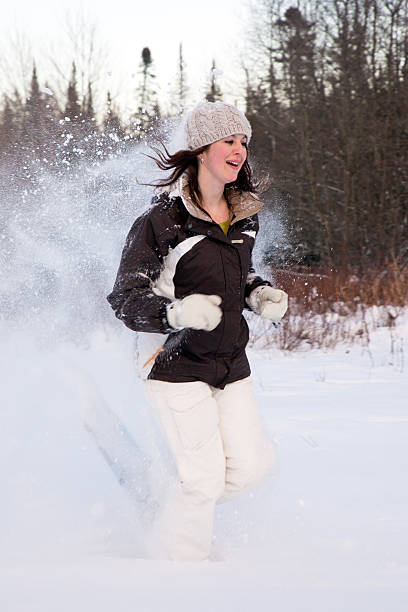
197	311
268	302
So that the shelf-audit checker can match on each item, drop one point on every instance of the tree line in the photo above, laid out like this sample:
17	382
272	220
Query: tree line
325	87
41	132
330	114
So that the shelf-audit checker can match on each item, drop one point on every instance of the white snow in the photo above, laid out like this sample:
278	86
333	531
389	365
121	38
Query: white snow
329	532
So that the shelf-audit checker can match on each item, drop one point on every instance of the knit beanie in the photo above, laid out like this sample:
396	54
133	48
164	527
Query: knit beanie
211	121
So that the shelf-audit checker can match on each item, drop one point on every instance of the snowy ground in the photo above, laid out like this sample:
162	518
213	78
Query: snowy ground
330	533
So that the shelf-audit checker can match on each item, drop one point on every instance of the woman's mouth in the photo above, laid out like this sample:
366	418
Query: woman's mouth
233	164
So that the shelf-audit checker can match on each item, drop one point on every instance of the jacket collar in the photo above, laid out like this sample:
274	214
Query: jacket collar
243	203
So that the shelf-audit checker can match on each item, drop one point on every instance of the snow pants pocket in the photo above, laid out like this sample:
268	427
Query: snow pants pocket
193	409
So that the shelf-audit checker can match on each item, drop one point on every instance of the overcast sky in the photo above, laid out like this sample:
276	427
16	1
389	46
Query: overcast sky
208	29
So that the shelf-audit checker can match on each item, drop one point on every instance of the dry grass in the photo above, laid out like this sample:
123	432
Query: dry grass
322	290
327	307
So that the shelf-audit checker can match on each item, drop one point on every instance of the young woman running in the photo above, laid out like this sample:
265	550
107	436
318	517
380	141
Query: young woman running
185	277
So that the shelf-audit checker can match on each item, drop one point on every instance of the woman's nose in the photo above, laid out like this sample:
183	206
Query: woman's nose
239	148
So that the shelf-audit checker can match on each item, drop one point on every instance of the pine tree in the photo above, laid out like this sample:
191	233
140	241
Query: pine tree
111	122
18	109
73	131
34	137
182	88
52	128
298	55
88	110
7	130
72	108
113	132
90	133
148	112
214	93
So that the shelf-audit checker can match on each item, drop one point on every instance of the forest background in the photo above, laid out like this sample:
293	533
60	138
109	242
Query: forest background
325	87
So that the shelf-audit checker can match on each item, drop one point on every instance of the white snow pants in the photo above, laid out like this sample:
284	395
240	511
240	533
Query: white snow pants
220	449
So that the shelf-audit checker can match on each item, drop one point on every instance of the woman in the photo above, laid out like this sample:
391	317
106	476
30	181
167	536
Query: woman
186	272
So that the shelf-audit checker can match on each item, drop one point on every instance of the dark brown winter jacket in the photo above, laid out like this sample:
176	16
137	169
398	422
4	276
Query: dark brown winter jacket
173	250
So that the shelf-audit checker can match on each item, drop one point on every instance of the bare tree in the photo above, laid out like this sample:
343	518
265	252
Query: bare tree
16	62
83	46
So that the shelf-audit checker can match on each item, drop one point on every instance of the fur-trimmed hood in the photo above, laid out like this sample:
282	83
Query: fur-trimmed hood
243	203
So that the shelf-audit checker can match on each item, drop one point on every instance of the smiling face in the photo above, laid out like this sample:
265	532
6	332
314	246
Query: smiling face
224	158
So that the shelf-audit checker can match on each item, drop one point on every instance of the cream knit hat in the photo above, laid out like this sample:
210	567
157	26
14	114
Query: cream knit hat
211	121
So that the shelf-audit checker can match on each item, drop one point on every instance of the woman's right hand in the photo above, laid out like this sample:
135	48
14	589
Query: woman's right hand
197	311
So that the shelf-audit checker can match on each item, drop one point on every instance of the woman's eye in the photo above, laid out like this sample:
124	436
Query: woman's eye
245	144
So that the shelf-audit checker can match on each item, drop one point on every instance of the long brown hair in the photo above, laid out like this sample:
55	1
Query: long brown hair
186	160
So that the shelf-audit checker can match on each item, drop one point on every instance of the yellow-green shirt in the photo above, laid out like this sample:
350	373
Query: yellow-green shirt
225	226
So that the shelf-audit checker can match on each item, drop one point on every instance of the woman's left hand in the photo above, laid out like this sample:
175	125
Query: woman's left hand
268	302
